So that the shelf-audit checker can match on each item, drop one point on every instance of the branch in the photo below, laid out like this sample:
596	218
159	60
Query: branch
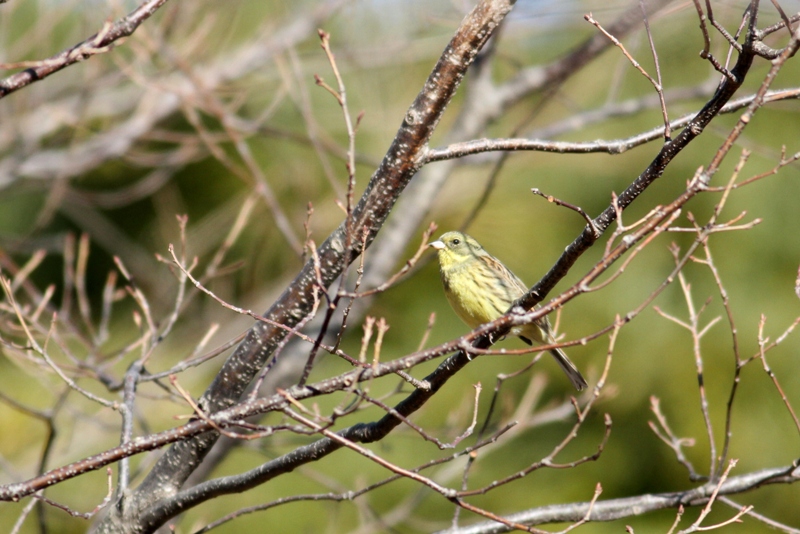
98	43
399	165
613	509
668	152
614	147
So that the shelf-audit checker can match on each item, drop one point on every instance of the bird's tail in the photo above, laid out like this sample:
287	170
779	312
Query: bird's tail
569	369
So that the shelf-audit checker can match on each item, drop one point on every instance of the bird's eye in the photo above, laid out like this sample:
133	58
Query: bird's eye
456	241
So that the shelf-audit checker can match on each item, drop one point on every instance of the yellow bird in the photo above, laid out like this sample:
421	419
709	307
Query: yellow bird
480	289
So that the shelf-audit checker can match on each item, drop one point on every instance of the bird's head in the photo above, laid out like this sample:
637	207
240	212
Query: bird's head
456	247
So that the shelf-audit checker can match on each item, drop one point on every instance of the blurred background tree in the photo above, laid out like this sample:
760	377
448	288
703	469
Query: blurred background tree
215	128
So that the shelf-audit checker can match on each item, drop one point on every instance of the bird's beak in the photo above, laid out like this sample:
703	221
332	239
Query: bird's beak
438	245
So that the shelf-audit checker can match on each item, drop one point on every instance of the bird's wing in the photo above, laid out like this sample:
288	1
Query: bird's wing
514	287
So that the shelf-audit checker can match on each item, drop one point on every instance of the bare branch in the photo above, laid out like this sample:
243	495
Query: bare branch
98	43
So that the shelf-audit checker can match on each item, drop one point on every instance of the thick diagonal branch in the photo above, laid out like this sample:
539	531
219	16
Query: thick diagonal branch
399	165
668	152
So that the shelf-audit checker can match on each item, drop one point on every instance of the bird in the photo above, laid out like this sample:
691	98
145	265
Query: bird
480	289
